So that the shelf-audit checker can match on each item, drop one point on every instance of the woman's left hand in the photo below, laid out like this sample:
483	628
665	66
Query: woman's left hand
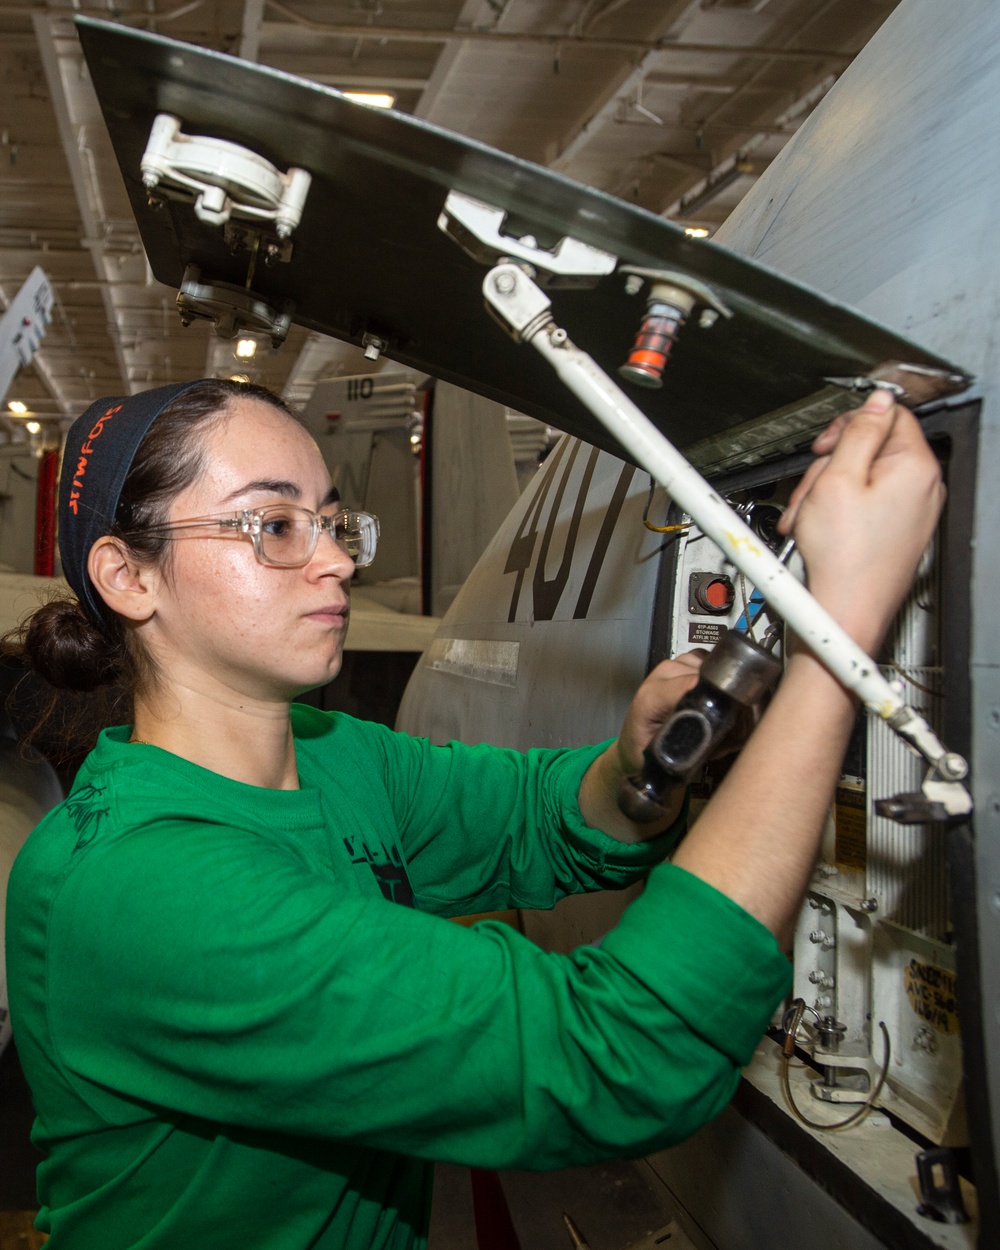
653	703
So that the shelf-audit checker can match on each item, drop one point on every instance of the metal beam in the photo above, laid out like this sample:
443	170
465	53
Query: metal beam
817	13
91	213
253	15
472	11
680	207
365	82
625	80
691	207
693	162
716	85
603	114
422	34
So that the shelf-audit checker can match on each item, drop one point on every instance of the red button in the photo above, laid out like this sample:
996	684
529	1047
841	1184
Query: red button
719	594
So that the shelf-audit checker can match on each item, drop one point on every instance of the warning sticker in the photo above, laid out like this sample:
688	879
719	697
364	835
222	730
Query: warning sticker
933	995
709	632
851	827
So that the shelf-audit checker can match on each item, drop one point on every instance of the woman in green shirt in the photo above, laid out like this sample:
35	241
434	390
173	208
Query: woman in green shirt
240	1014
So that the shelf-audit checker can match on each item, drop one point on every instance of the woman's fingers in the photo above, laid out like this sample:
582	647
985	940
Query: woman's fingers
787	521
852	443
825	442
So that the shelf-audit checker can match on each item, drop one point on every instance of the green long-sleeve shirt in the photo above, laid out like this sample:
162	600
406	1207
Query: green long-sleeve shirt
237	1033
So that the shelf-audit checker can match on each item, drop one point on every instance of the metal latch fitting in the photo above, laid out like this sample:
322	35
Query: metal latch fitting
223	179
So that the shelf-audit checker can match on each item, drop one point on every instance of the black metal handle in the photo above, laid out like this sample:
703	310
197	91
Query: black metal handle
737	675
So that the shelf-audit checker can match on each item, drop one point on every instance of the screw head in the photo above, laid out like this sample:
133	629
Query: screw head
953	766
925	1040
869	904
633	284
505	282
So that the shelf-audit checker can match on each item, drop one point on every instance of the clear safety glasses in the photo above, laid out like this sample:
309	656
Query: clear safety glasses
285	536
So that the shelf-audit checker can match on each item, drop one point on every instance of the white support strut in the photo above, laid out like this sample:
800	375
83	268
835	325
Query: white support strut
524	309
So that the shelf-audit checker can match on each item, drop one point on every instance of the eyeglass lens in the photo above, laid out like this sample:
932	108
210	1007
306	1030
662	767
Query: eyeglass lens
288	535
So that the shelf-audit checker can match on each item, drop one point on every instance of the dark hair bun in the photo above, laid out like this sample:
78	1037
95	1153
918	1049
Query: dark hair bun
61	644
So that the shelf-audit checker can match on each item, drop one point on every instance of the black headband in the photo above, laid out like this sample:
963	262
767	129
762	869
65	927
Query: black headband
98	454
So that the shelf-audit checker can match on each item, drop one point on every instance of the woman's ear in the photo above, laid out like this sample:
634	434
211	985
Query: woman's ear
125	585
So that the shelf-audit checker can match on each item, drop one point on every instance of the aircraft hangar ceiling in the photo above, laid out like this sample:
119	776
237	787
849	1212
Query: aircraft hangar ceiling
677	105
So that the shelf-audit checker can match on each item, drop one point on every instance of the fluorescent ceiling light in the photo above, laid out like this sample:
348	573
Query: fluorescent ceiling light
377	99
32	426
15	405
246	348
696	232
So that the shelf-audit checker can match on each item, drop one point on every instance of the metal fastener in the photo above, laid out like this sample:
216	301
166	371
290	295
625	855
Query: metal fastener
925	1040
953	766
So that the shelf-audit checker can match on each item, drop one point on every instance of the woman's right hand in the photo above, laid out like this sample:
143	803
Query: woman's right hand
864	513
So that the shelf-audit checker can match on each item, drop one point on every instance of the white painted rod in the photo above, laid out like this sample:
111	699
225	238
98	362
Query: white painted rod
523	307
689	490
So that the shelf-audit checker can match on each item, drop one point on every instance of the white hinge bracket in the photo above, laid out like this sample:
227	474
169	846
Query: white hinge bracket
222	179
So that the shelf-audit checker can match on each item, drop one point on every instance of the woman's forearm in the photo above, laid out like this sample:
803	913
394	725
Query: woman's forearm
758	839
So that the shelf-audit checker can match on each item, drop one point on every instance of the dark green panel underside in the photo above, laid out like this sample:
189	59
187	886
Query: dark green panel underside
368	255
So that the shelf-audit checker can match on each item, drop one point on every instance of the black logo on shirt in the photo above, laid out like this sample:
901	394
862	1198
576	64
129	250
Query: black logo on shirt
387	867
86	812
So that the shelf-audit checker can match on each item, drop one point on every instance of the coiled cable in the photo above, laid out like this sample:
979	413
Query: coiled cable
796	1013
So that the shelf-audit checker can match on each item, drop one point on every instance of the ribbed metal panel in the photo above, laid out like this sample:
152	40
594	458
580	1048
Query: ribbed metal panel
907	864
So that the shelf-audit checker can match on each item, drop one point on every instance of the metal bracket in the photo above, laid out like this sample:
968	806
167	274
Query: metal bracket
940	1201
230	308
936	802
672	298
942	797
680	288
243	237
478	230
515	301
221	178
865	385
374	345
915	385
